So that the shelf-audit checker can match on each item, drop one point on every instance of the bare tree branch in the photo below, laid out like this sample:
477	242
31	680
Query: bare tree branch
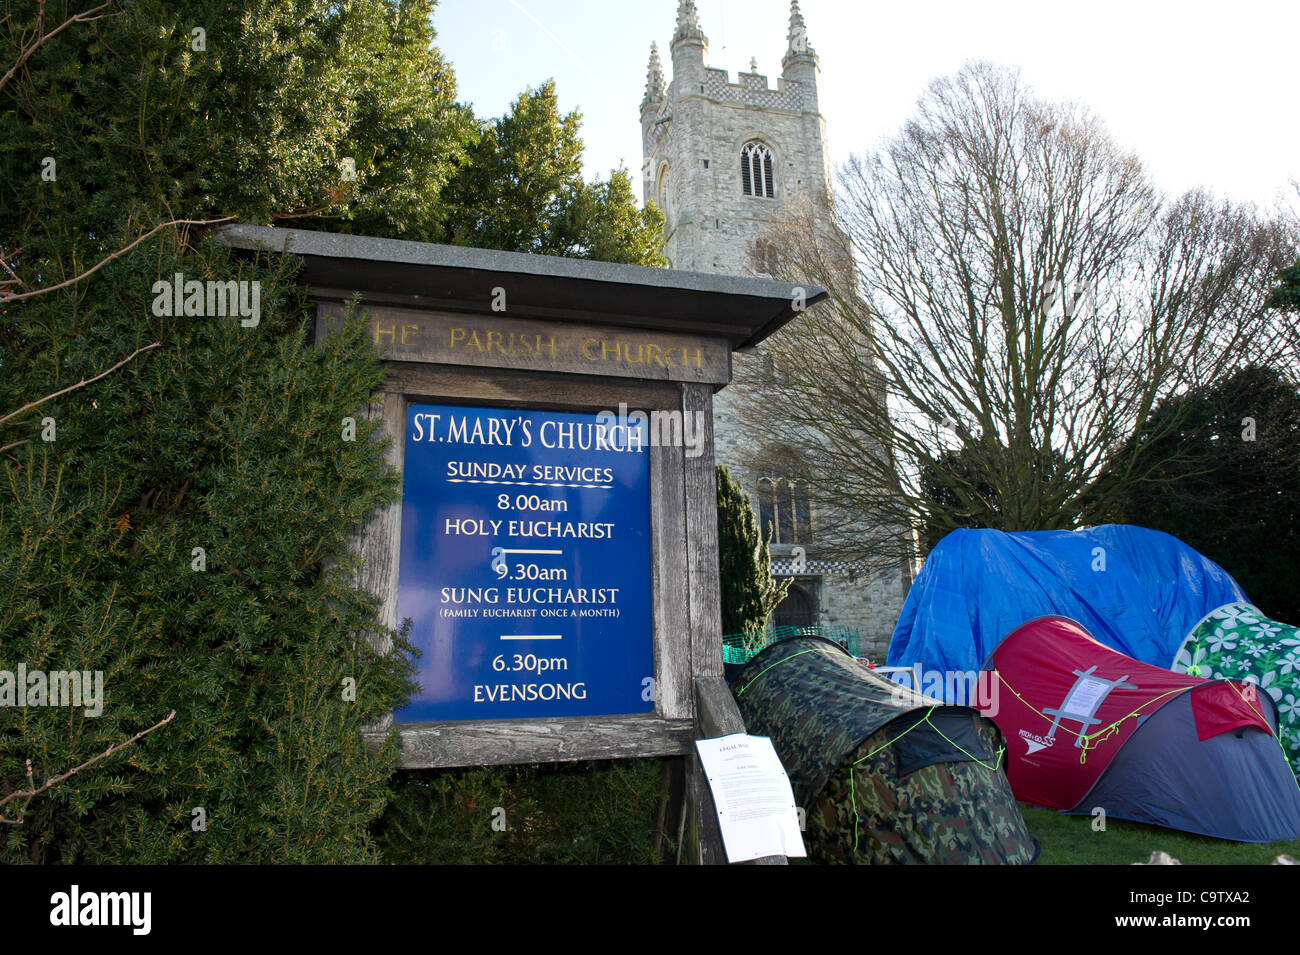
84	17
7	297
27	795
80	384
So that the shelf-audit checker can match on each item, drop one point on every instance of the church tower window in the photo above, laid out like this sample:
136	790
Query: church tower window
783	507
756	171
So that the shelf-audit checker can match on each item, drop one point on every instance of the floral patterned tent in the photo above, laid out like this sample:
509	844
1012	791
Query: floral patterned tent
1237	642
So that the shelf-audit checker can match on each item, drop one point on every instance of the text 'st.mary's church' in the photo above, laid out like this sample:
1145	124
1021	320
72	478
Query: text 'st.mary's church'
724	160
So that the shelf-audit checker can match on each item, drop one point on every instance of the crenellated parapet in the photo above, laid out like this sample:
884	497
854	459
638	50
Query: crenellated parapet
751	89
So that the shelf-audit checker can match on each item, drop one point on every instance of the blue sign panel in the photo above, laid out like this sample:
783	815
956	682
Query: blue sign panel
525	564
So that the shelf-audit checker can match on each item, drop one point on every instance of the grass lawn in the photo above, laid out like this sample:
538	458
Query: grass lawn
1070	840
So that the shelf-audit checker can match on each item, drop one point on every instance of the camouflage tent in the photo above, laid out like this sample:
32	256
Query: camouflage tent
883	774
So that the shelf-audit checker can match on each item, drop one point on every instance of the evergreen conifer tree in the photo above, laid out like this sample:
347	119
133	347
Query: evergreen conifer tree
749	592
181	525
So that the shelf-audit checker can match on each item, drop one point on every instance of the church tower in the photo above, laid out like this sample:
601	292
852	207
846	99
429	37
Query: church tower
724	161
723	158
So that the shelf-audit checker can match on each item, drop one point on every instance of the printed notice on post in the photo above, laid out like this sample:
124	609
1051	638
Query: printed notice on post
755	803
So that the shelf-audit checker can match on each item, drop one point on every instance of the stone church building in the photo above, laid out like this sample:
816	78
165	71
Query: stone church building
721	159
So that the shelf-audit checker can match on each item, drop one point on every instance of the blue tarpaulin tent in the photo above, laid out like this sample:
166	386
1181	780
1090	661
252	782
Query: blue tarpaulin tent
1138	591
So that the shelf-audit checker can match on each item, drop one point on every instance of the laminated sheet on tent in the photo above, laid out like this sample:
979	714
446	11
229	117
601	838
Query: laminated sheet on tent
1089	727
1237	642
1136	590
883	774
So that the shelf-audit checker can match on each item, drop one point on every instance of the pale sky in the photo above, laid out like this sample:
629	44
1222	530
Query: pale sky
1204	93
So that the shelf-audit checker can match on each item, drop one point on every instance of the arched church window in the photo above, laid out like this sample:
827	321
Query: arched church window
766	505
765	256
663	189
756	171
783	507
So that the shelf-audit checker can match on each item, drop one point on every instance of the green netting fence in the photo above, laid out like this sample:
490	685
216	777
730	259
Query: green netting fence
743	647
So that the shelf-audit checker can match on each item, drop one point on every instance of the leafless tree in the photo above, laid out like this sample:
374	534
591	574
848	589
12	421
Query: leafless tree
1023	297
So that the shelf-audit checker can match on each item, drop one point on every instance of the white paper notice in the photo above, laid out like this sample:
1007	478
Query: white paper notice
1085	696
752	792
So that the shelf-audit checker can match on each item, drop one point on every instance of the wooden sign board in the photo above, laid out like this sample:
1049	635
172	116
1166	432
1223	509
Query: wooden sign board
681	554
559	561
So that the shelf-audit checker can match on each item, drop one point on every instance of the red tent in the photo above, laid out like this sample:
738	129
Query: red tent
1087	726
